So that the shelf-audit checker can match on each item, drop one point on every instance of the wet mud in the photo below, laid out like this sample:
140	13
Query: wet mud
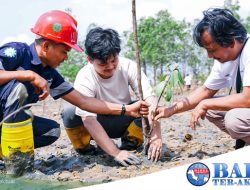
60	163
19	163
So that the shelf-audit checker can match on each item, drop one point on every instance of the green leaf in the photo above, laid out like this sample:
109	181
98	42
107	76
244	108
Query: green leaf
180	78
162	78
69	71
174	78
158	88
168	95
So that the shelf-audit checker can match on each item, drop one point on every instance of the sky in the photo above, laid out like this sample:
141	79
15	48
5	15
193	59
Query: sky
18	16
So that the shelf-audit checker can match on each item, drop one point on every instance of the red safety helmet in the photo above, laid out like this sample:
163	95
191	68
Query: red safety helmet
58	26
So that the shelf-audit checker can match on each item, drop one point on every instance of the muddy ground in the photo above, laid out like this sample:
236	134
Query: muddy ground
60	163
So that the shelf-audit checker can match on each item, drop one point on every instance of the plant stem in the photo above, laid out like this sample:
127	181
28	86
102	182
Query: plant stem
145	123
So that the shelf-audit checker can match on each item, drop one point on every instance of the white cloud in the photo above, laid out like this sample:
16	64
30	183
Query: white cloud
19	38
107	13
150	8
115	2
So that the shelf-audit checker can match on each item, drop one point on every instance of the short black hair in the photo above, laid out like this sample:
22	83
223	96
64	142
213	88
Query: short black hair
221	25
102	43
40	40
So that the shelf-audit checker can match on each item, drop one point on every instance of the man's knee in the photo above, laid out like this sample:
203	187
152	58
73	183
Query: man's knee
54	131
57	131
50	136
18	93
217	118
16	98
233	123
209	117
53	135
70	119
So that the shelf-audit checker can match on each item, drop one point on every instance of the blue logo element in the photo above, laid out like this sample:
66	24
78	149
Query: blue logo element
198	174
231	175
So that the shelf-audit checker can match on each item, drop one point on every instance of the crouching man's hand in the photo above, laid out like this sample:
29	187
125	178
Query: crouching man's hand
126	158
155	142
138	109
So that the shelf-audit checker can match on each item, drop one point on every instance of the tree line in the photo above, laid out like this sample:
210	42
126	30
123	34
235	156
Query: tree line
163	41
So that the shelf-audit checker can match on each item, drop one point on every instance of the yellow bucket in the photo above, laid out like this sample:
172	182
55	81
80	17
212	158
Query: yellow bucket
1	154
18	146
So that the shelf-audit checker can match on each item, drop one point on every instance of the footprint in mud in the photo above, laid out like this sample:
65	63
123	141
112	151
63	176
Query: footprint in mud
199	154
56	164
75	162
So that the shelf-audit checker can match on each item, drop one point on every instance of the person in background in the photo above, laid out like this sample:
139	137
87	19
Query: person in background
188	81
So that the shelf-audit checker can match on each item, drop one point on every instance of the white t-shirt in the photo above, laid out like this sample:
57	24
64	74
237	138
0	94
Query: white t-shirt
188	80
224	74
114	89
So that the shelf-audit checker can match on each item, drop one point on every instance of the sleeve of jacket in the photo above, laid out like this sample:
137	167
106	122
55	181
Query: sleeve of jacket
11	56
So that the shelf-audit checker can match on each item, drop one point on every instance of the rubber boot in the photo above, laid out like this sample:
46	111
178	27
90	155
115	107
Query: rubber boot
133	138
17	144
239	144
80	139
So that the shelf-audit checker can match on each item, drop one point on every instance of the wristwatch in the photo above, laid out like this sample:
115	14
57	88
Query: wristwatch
123	109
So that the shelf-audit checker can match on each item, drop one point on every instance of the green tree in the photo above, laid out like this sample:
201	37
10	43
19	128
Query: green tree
246	23
194	56
159	38
76	60
165	41
233	6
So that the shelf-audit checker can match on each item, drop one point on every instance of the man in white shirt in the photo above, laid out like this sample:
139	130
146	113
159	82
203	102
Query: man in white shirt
225	40
109	77
188	81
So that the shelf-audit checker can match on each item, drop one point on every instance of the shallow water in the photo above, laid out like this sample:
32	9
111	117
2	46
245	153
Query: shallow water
10	183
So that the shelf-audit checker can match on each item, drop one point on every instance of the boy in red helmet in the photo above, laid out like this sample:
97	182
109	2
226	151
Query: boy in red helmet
27	75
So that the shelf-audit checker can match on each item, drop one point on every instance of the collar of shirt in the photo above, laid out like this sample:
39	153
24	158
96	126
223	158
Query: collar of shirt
35	59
